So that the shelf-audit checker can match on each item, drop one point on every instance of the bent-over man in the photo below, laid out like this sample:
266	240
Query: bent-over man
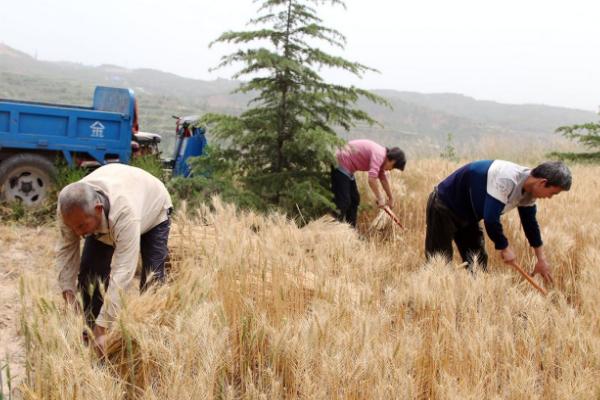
486	190
363	155
120	210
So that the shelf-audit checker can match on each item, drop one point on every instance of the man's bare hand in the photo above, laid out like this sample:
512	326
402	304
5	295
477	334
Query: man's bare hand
71	300
100	340
508	256
543	268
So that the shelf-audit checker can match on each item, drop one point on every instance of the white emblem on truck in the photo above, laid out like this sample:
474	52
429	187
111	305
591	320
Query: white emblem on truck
97	129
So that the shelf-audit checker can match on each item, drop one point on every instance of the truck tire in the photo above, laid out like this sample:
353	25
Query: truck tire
27	178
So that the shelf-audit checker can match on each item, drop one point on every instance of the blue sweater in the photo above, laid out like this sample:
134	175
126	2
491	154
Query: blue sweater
467	194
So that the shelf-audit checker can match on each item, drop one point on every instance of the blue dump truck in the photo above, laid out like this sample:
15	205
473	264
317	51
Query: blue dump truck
34	136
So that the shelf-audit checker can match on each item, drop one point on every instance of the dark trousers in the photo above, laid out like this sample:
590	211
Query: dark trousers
443	227
96	258
345	196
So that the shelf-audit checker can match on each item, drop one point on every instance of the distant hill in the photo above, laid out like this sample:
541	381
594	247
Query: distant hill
519	119
414	116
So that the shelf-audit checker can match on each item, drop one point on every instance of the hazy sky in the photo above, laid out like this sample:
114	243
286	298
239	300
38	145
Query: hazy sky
513	51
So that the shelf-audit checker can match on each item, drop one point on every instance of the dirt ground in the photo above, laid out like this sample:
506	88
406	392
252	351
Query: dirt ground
22	250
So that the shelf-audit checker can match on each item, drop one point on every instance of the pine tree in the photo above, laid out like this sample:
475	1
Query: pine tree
449	152
284	142
586	134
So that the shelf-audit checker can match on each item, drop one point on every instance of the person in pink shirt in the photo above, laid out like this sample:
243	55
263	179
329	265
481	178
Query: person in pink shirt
363	155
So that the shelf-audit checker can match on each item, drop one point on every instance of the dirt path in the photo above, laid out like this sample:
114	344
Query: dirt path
21	250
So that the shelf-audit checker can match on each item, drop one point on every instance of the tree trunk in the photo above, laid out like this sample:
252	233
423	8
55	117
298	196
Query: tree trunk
283	125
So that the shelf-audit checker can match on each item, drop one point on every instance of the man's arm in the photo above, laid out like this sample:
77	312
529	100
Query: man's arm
374	185
492	210
530	225
124	262
67	260
385	182
542	266
532	232
122	269
100	340
375	171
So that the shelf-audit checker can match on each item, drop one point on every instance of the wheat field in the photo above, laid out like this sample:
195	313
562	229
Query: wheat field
258	308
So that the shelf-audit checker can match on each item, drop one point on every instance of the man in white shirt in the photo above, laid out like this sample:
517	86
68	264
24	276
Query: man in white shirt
120	210
485	190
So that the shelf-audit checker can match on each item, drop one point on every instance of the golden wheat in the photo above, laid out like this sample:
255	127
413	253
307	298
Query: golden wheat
258	308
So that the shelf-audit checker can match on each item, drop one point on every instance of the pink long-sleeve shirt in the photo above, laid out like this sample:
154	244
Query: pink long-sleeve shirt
363	155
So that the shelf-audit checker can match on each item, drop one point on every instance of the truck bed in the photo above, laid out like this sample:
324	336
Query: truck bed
101	131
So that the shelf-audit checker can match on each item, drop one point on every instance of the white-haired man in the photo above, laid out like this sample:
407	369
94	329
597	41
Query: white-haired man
120	210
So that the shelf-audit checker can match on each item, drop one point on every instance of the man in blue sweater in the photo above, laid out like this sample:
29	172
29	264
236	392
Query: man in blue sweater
485	190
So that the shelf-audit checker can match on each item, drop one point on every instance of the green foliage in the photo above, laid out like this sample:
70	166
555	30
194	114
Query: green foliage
449	152
17	212
150	163
66	175
214	173
46	212
586	134
580	157
166	94
283	144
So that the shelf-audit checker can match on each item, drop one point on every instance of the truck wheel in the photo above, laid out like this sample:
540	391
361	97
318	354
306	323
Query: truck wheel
27	178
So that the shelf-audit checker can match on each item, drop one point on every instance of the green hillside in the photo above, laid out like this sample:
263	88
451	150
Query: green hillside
427	118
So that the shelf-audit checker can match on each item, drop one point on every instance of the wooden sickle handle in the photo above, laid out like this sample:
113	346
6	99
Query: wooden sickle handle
393	216
526	276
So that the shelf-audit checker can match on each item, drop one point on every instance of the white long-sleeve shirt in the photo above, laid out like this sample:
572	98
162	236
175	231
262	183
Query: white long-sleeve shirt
138	202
